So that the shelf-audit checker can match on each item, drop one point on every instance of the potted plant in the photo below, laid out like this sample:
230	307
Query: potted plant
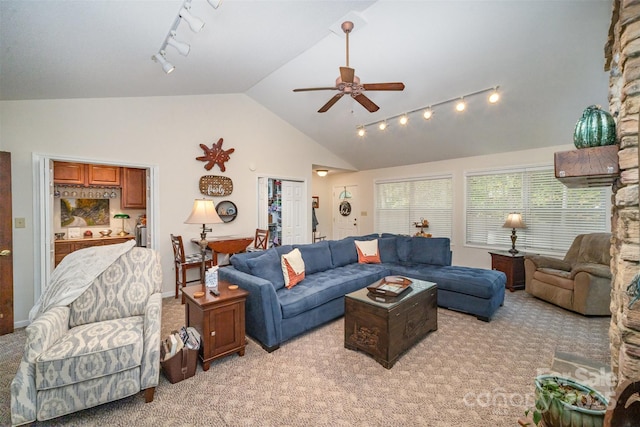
563	402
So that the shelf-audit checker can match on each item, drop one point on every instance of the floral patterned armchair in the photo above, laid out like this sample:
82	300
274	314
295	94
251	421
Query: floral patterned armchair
103	346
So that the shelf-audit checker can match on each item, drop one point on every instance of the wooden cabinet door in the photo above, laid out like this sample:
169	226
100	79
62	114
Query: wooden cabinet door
104	175
69	173
134	188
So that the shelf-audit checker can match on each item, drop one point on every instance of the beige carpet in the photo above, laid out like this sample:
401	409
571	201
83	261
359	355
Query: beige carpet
467	373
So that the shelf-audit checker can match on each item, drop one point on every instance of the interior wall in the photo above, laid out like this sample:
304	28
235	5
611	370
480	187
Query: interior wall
462	254
160	131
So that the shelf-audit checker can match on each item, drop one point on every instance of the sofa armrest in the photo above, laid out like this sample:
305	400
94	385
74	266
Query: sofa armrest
41	334
541	261
599	270
263	313
150	368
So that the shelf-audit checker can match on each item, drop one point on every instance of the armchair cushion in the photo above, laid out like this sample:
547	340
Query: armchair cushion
595	269
91	351
557	278
547	262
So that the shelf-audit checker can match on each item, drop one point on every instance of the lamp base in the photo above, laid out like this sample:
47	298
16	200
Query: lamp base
513	251
123	233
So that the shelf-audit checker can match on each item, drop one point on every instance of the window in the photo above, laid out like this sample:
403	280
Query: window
401	203
553	213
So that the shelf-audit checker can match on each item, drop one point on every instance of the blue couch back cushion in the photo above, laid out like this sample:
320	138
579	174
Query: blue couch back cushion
343	252
388	250
431	250
404	248
267	266
239	261
316	256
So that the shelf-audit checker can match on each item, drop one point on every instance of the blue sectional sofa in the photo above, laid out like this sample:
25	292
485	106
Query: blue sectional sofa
275	314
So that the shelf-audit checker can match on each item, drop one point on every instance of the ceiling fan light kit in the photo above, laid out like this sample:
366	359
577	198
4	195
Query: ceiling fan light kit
427	112
349	84
195	24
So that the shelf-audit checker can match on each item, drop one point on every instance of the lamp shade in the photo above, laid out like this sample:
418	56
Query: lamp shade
514	220
121	216
203	212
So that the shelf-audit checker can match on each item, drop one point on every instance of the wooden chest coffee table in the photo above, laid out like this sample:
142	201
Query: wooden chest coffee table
385	327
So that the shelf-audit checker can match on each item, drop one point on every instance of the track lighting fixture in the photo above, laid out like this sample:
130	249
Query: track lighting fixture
427	112
495	96
181	47
195	24
167	66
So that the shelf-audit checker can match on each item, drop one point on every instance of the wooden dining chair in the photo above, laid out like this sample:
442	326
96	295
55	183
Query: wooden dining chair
185	262
261	241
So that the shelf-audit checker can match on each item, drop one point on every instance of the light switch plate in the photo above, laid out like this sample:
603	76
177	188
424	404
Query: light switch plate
20	222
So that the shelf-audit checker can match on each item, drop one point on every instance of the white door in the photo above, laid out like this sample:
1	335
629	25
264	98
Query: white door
345	211
293	212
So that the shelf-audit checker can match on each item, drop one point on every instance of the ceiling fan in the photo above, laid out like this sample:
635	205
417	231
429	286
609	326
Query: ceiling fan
349	83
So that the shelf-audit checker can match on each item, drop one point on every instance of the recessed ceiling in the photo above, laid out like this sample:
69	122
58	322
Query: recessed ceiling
547	58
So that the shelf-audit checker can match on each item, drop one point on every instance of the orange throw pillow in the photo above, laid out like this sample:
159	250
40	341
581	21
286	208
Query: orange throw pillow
292	268
368	251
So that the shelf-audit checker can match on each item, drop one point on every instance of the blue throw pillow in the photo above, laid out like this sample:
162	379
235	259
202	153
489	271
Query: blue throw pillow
343	252
239	261
434	250
267	266
316	257
388	250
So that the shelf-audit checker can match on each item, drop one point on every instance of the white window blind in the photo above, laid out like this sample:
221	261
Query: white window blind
553	213
401	203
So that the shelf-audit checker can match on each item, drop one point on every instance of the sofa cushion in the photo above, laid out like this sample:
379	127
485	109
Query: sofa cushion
388	250
343	252
292	268
367	251
431	250
239	261
91	351
267	266
320	288
403	246
316	256
476	282
552	278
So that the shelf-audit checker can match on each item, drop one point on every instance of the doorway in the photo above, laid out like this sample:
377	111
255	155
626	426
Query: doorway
44	258
346	208
282	209
6	246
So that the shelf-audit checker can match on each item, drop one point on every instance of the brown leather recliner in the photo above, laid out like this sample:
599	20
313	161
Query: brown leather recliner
580	282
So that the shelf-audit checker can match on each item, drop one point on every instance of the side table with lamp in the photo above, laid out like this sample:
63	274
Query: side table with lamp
511	262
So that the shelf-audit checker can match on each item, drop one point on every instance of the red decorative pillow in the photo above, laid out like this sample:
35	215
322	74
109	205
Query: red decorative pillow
292	268
368	251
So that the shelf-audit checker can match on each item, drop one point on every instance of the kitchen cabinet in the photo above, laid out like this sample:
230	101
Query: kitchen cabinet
134	188
65	247
68	173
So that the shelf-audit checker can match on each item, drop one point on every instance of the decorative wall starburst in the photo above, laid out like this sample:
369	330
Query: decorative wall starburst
215	155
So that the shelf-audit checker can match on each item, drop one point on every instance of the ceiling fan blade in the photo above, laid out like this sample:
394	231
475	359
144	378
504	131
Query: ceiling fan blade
306	89
329	104
366	103
346	74
383	86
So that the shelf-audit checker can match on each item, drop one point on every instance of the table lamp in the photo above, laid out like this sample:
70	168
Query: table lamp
514	220
122	217
203	212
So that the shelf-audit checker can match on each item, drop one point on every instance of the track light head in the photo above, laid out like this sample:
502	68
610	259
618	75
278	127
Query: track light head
428	113
195	24
361	131
494	97
167	66
181	47
460	106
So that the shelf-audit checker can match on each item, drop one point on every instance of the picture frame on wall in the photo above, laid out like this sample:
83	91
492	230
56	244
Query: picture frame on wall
315	202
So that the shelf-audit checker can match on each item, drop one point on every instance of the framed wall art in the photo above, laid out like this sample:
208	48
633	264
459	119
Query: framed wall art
315	202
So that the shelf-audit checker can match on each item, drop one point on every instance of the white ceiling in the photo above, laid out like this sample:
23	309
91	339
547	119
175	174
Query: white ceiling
547	57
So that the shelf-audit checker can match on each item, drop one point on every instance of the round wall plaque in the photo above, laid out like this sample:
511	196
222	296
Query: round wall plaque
227	211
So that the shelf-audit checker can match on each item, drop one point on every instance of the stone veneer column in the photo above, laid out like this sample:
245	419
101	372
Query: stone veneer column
623	60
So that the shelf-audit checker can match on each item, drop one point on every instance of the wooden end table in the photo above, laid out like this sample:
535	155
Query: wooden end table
510	264
219	320
385	328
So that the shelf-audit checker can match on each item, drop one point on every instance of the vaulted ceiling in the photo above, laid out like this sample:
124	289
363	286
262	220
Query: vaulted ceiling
546	56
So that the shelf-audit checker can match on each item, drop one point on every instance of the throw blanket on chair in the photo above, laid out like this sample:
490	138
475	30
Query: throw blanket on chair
75	273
